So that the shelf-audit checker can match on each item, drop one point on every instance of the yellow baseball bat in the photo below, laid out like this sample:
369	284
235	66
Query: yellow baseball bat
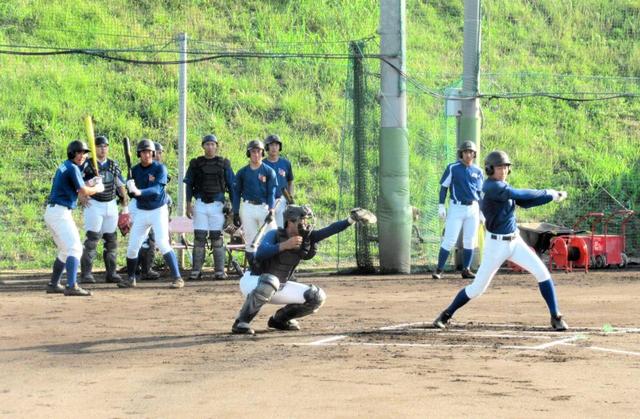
91	138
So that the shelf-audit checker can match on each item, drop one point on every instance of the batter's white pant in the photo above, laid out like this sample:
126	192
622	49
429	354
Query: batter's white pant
281	205
466	217
208	217
290	292
64	231
101	217
496	251
252	217
133	207
143	220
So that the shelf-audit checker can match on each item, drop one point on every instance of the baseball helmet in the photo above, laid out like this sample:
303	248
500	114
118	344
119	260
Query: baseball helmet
74	147
209	138
467	145
255	144
158	146
273	138
145	144
496	158
101	139
297	212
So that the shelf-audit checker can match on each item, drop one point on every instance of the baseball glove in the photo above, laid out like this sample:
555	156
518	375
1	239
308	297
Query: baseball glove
361	215
124	223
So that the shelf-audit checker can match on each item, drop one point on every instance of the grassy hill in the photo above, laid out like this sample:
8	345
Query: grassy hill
539	47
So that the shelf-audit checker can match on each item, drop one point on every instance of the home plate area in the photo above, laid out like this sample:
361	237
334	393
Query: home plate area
518	337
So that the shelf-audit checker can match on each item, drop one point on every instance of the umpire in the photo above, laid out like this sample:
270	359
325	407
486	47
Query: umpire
101	214
208	178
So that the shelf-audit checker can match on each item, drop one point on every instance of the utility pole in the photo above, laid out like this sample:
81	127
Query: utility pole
182	120
394	211
469	122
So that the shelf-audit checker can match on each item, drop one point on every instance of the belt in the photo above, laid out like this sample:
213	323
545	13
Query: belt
248	201
64	206
505	237
467	203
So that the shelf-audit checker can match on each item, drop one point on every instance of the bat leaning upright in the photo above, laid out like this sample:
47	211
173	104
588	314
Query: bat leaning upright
127	155
91	139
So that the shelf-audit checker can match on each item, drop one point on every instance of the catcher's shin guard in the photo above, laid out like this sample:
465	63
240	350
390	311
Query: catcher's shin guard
199	243
314	298
261	295
217	244
88	256
110	255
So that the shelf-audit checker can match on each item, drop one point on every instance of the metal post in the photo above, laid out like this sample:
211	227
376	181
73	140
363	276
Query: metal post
182	121
394	211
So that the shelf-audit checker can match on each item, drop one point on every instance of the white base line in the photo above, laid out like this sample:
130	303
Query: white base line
325	341
598	348
558	342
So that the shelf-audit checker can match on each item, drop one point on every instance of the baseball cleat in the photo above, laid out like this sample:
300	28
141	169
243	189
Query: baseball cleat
113	278
558	323
76	291
467	274
437	274
219	275
87	279
150	276
195	275
177	283
290	325
241	328
442	321
55	289
127	283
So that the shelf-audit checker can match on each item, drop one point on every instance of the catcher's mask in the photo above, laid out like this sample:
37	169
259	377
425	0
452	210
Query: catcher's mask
301	215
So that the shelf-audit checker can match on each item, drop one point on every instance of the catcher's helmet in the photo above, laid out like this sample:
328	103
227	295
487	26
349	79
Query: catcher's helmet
146	144
273	138
255	144
209	138
467	145
496	158
101	139
297	212
74	147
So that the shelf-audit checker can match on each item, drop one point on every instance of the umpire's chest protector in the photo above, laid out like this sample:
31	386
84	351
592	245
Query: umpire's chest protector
284	263
209	176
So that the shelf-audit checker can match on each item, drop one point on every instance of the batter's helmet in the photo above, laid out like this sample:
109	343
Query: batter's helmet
496	158
158	146
297	212
74	147
209	138
255	144
101	139
273	138
145	144
467	145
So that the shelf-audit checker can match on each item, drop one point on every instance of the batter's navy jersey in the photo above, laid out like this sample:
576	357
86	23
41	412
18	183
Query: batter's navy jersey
66	183
151	181
255	186
284	173
499	203
464	183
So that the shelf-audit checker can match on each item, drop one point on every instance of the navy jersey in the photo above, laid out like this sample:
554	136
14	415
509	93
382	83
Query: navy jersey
464	183
151	181
284	173
255	186
499	204
66	183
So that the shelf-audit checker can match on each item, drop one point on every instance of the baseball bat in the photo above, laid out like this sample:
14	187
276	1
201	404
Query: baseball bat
288	196
91	138
127	156
256	240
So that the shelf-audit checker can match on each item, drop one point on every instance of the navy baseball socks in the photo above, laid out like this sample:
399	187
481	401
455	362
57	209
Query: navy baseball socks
548	291
443	319
130	282
172	262
72	288
467	257
443	255
54	287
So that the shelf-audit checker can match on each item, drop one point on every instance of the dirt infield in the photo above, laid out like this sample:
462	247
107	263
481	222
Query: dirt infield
370	352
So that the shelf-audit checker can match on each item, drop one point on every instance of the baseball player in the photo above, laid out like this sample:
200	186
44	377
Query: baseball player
208	178
101	214
67	185
284	174
255	186
463	181
279	253
503	241
148	186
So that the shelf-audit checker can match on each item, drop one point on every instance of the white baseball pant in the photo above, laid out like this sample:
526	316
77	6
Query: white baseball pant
459	216
208	217
290	292
143	220
252	217
101	217
64	231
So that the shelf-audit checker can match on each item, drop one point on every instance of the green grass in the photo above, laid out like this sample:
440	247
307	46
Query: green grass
527	46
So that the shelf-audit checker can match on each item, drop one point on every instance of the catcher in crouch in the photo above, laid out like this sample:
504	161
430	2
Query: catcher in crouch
278	255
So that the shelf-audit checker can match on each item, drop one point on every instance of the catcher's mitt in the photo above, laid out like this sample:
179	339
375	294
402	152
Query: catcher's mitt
124	223
361	215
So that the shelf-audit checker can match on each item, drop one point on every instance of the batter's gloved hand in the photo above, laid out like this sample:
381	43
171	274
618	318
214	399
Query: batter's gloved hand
124	223
236	220
99	187
442	212
94	181
557	195
131	186
363	216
